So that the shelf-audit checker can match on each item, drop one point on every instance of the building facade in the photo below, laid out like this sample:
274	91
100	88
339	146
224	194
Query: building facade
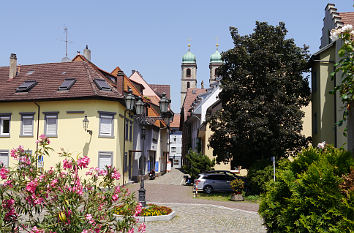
327	109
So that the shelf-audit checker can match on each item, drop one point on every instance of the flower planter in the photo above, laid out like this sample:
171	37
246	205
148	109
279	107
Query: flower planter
236	197
151	218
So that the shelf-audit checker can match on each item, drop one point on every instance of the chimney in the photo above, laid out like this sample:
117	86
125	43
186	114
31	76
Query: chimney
13	66
120	74
87	53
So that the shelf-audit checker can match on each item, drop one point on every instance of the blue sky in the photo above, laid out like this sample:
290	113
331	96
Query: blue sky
149	36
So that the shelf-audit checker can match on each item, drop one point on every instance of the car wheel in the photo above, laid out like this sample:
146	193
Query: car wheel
208	189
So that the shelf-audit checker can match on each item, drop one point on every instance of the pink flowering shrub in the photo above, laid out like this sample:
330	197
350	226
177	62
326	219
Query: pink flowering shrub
59	199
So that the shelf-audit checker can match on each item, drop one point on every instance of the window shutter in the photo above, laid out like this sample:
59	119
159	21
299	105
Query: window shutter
106	126
104	159
27	126
4	158
51	126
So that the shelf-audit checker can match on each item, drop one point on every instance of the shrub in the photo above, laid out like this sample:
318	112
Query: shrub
59	199
309	194
149	210
258	175
237	185
197	163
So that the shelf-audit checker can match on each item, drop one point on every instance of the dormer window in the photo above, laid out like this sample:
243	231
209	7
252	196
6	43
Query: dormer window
102	84
67	84
188	72
26	86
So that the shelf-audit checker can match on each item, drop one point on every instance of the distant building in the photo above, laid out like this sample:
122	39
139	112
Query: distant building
327	109
175	142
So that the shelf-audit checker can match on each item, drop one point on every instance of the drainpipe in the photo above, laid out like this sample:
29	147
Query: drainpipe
125	113
38	117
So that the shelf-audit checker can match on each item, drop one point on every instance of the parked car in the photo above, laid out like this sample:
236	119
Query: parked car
214	182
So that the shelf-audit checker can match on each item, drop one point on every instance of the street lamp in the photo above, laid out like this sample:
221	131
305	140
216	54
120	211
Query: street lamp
140	108
85	125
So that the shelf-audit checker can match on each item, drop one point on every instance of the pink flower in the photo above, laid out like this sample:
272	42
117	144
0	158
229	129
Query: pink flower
131	230
138	209
8	183
67	164
3	173
14	153
38	201
142	227
117	189
83	162
20	149
89	218
115	197
32	185
102	172
53	182
36	230
84	231
116	175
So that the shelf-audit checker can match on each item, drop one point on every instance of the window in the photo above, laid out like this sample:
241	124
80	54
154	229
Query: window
106	124
27	124
188	85
102	84
67	84
51	124
155	135
105	159
5	124
4	157
173	149
26	86
188	72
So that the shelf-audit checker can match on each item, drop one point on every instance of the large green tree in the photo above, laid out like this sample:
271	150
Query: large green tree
263	90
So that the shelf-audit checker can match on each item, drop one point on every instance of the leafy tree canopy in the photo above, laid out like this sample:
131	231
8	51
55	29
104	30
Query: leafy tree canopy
263	90
196	163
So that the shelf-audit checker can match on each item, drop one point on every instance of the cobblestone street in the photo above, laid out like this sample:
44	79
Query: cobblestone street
197	215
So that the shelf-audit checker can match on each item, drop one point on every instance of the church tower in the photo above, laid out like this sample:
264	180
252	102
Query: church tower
215	62
189	73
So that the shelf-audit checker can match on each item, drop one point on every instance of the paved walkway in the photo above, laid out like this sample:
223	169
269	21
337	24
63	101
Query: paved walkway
194	214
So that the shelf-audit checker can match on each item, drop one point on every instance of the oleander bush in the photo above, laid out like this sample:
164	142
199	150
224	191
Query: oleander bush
62	199
313	193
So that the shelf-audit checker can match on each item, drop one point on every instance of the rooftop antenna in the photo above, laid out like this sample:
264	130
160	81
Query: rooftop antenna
66	40
217	43
66	59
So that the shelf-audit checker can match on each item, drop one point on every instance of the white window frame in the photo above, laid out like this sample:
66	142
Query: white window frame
106	115
105	154
26	116
51	115
5	116
2	152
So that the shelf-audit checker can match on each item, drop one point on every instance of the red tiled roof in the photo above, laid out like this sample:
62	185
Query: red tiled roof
159	89
192	93
49	77
175	122
347	17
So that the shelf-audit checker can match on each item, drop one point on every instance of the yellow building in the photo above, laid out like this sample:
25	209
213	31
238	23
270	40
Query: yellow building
54	99
327	109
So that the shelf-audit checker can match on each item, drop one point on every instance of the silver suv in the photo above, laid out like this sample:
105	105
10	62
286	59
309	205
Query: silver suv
214	182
